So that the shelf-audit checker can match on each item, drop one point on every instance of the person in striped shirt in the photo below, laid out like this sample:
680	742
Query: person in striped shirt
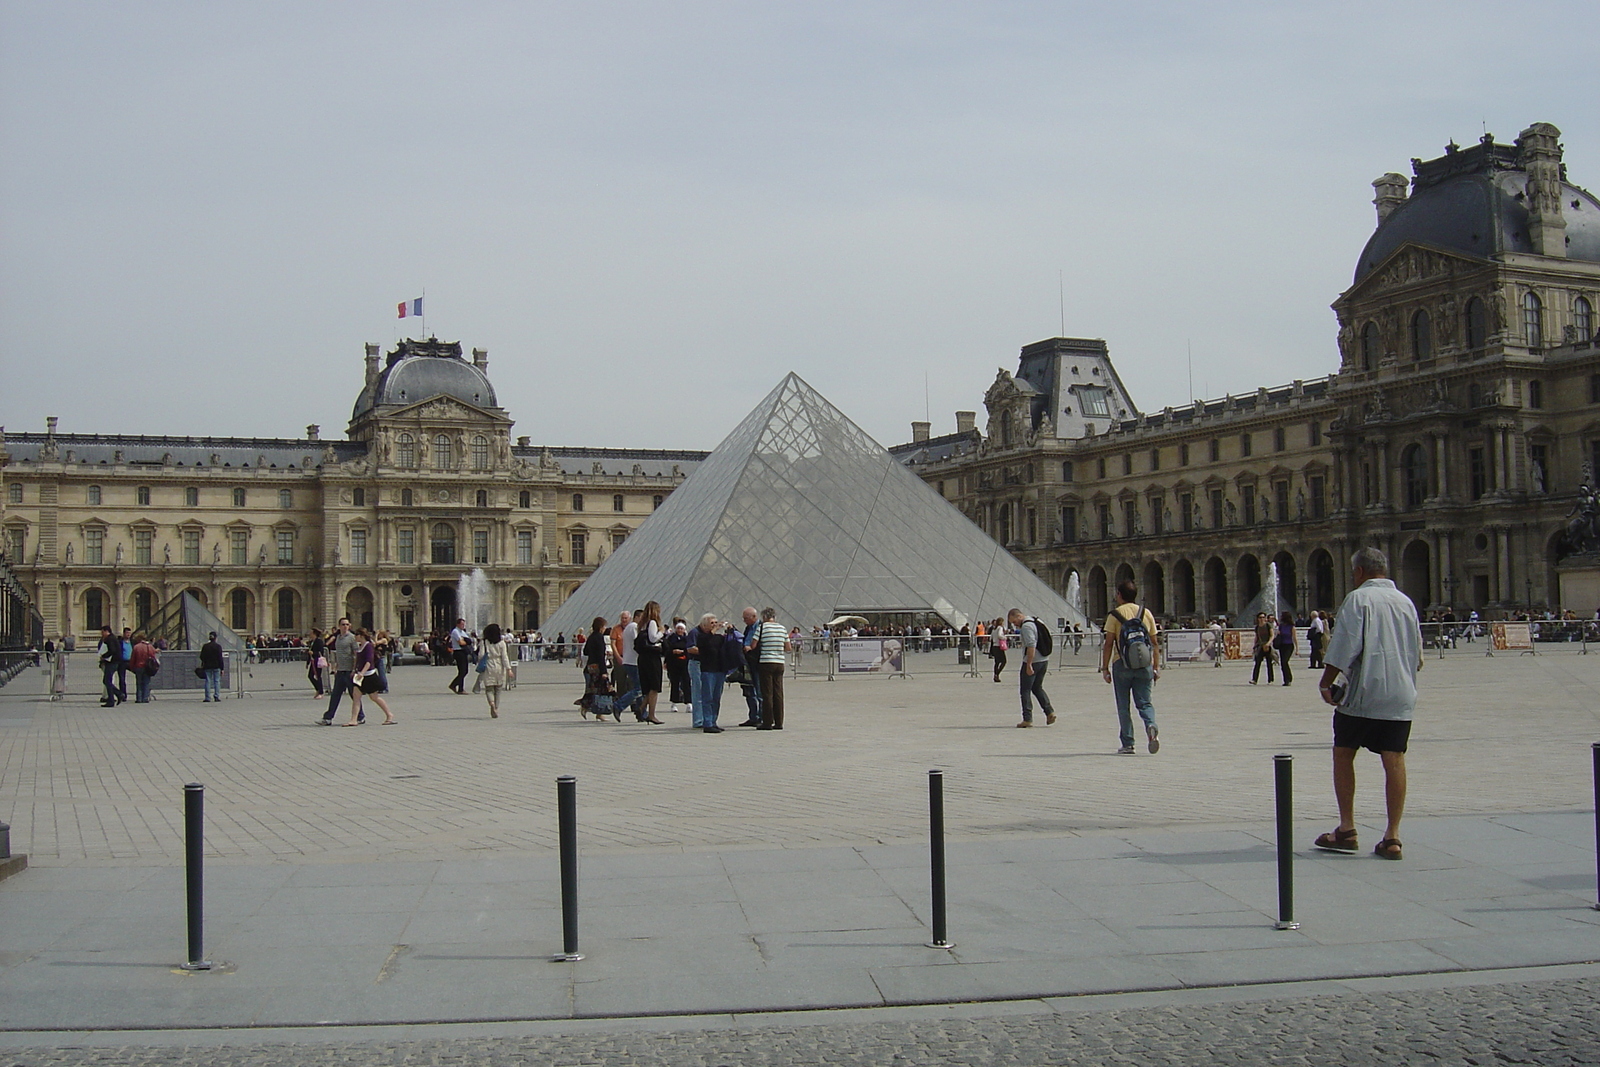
771	643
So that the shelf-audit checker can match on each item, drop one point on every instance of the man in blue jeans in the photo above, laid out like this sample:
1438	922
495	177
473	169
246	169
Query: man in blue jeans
1127	681
1035	661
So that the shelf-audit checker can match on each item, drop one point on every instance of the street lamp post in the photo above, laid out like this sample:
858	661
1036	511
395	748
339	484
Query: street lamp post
1302	587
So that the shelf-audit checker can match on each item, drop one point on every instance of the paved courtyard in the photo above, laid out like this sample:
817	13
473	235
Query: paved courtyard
394	876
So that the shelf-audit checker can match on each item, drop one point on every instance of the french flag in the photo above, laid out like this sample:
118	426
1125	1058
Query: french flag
411	307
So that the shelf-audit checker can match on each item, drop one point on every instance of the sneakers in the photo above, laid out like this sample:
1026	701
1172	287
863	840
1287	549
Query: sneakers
1125	750
1025	724
1155	739
1049	718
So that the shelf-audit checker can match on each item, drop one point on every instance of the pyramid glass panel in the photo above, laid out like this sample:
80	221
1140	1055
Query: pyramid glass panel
800	510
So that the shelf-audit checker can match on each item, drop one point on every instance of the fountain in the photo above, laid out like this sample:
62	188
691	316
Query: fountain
474	600
1269	600
1075	598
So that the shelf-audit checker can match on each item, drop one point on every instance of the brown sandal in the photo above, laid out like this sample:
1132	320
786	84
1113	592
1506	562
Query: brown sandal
1337	841
1388	849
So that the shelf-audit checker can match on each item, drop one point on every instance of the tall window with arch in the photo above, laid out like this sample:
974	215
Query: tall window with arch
443	543
1369	346
94	609
480	453
1583	318
406	451
1421	336
1414	475
1532	320
286	619
1475	322
239	605
407	498
481	498
441	452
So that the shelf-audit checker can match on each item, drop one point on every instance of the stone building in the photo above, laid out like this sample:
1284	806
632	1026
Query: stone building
279	535
1458	431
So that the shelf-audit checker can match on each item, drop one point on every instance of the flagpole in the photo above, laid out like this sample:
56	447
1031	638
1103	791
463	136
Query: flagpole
424	311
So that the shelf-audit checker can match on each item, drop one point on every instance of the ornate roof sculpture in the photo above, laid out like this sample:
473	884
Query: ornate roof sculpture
418	370
800	510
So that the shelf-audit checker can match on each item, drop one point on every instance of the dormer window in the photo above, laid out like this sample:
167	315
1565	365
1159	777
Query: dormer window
1094	400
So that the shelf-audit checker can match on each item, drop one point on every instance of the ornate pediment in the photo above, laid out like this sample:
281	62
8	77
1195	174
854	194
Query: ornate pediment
445	409
1413	264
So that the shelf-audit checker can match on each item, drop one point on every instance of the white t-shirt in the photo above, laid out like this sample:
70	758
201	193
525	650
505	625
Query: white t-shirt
630	657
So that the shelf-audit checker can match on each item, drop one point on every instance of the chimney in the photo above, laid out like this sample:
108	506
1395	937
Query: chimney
966	421
480	359
523	441
1391	190
312	431
50	425
1539	152
372	364
920	431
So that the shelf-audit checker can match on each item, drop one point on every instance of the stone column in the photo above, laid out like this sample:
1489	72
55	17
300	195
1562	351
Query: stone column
1443	538
1441	486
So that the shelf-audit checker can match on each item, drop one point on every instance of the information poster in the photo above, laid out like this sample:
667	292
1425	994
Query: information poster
1239	644
1511	636
860	655
1183	646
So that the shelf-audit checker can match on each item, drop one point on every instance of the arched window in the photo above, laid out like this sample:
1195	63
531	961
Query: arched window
1476	320
406	498
94	609
94	495
441	452
406	451
238	498
1421	336
1414	474
480	453
1583	318
144	607
482	498
286	620
1532	320
577	501
239	609
443	543
285	498
1369	346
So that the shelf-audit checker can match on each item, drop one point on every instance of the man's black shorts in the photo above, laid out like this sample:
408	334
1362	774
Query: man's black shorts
1376	735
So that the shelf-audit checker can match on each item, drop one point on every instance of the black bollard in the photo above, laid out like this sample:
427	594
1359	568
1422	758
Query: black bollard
936	857
1283	778
1595	748
194	837
567	820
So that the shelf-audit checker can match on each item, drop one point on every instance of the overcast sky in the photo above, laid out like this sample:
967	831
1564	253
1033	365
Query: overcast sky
648	213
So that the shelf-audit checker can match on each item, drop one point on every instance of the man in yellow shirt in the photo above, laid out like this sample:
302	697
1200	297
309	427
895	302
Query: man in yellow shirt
1130	662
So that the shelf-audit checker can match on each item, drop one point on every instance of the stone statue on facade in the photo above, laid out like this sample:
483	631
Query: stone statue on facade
119	553
166	553
1300	504
69	551
1583	525
1231	512
216	552
261	558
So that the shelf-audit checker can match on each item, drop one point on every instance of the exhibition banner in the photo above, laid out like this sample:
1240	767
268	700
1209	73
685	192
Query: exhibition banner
860	655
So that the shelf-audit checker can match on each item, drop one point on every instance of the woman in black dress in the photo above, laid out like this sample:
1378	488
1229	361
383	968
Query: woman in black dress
596	678
650	658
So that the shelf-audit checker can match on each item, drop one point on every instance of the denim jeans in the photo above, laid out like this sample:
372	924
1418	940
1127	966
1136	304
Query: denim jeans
710	696
696	695
108	675
213	683
752	696
628	687
1134	683
1032	685
141	685
342	684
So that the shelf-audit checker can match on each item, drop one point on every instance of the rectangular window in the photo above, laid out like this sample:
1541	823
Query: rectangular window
524	499
579	545
239	547
191	547
1186	506
1536	394
1183	455
1155	459
141	496
1158	515
285	546
1244	444
1249	493
1539	468
1066	470
94	495
406	544
1216	509
1594	388
358	547
1216	450
94	546
1130	518
238	498
1319	495
1315	433
358	496
1069	525
616	502
1280	500
191	497
1100	467
1105	521
1094	400
525	547
1366	484
17	542
1127	463
1033	527
285	498
142	540
1280	439
617	537
480	546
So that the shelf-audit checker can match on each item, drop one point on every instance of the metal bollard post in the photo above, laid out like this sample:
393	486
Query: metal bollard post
1283	777
1595	748
5	841
194	834
936	857
567	820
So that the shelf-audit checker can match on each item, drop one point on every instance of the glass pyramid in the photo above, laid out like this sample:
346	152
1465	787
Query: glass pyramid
800	510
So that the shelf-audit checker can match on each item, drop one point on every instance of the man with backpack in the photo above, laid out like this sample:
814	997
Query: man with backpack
1130	661
1036	648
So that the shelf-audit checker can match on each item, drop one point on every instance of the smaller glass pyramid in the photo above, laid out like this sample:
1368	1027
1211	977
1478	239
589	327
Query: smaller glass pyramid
798	509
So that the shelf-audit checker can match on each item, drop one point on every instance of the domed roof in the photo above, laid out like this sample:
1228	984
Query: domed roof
1474	201
418	370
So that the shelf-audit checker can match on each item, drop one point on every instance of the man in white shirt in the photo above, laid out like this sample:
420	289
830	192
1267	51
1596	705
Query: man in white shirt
460	644
1377	648
628	666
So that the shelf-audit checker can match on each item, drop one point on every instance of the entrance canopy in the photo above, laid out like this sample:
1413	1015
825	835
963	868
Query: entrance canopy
798	509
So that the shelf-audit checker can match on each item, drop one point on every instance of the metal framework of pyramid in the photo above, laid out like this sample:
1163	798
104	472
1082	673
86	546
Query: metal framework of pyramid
800	510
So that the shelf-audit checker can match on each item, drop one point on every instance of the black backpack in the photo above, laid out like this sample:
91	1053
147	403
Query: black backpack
1044	642
1133	642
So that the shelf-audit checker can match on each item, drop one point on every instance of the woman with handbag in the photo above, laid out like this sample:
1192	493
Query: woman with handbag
494	666
317	661
648	645
367	681
597	689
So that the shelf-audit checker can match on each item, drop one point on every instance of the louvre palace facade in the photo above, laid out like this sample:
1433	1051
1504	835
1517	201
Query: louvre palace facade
1457	431
279	535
